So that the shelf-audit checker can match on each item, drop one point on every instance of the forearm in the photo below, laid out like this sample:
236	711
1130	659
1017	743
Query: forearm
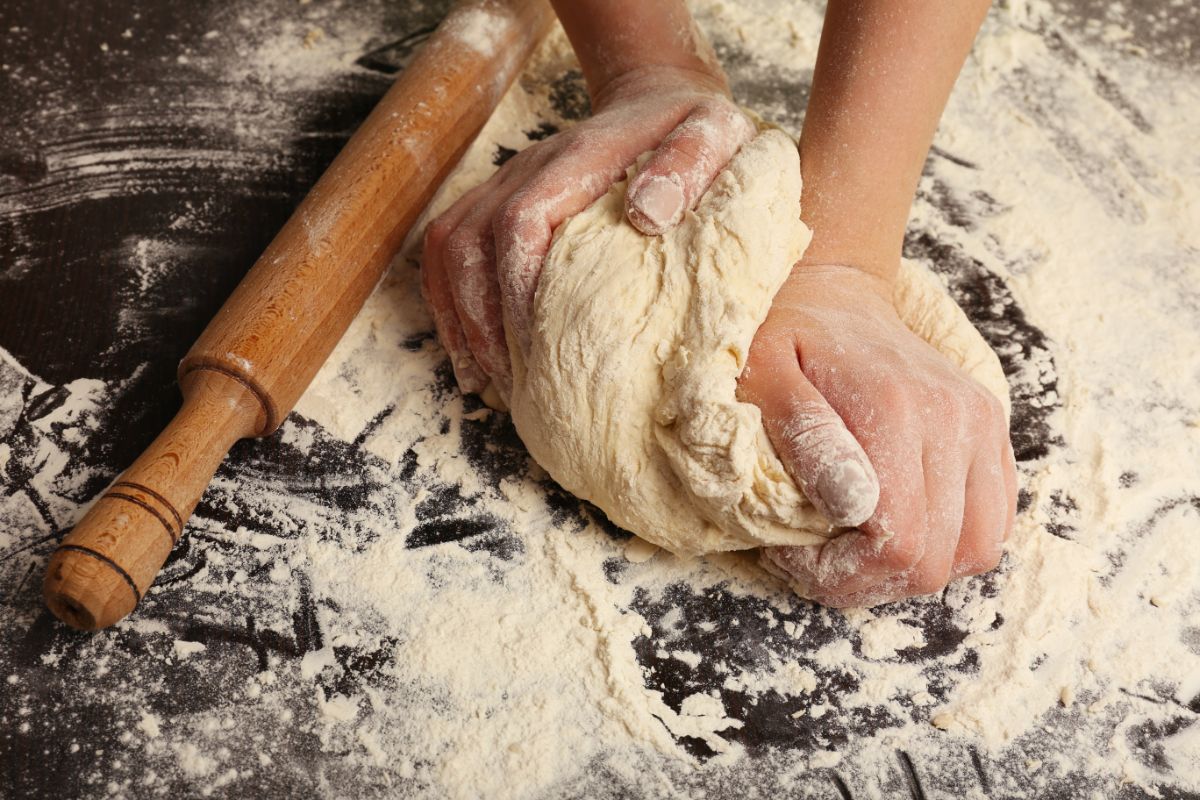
884	71
614	37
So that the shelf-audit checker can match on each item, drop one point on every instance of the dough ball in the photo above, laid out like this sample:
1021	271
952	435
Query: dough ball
627	395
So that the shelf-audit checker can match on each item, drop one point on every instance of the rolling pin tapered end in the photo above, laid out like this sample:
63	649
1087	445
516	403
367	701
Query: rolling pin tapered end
84	594
104	566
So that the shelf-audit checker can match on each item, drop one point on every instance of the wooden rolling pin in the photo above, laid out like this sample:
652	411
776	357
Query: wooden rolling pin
258	355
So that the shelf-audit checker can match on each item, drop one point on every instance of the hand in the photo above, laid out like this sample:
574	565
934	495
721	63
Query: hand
483	256
880	432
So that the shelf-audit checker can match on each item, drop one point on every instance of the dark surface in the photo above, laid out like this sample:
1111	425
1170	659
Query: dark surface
66	228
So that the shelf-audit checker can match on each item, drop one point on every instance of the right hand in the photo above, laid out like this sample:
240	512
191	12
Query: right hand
482	257
882	433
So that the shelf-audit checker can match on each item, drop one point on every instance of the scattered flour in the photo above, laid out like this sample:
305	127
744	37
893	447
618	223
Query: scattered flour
185	650
523	662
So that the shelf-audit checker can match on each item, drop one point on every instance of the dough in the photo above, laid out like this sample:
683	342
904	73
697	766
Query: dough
627	396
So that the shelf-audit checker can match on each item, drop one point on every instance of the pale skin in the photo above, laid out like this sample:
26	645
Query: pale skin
881	433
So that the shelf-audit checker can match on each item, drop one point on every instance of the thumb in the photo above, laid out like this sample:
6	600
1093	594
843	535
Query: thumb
683	166
815	446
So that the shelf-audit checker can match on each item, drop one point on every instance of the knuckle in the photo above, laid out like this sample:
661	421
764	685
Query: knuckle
976	409
437	232
979	404
979	562
947	404
464	246
901	560
713	107
511	215
903	551
929	581
726	114
894	398
575	148
692	145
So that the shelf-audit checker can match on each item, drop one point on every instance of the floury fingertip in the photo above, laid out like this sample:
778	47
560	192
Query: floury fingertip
656	205
847	493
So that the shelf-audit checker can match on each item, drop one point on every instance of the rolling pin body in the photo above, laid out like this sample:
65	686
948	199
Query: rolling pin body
258	355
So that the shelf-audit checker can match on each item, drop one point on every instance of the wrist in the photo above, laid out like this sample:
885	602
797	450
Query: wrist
855	230
618	38
865	282
659	79
879	269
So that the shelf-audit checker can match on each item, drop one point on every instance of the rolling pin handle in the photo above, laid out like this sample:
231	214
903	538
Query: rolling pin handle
106	563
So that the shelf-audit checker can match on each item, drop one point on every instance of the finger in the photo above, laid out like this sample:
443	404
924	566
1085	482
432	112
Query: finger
945	504
683	166
471	265
818	570
985	516
1009	467
852	563
819	452
436	289
886	591
524	224
826	460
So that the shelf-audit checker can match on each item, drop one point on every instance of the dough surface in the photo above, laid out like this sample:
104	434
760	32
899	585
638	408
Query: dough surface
627	397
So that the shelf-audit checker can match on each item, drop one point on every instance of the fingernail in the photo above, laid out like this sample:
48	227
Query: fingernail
656	205
849	491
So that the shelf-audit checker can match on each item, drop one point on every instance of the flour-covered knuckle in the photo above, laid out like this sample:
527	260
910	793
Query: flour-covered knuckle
886	591
900	553
959	409
896	536
932	575
858	562
522	236
470	260
435	288
828	564
839	573
985	516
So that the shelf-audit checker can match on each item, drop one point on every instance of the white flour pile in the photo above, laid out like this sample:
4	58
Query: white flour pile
532	665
